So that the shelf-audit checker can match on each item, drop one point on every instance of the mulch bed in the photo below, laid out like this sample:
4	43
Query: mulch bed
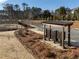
40	50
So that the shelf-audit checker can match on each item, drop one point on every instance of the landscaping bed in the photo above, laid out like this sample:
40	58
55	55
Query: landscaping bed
40	50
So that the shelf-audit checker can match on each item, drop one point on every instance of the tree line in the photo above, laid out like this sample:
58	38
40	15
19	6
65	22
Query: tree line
26	12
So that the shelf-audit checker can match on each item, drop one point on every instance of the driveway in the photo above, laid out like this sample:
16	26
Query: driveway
11	48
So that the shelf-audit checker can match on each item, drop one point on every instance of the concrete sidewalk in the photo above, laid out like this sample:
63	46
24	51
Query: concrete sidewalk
11	48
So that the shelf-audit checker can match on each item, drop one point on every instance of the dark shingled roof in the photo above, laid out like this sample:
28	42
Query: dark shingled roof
62	23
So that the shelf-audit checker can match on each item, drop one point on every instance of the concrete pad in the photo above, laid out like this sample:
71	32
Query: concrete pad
37	31
11	48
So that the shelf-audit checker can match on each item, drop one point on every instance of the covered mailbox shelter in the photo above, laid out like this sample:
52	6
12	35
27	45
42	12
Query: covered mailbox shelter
63	24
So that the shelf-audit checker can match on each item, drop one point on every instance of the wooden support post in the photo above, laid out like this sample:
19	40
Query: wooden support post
69	36
44	32
50	33
63	37
56	36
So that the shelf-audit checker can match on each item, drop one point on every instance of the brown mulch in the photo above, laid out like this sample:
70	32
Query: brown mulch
40	50
75	24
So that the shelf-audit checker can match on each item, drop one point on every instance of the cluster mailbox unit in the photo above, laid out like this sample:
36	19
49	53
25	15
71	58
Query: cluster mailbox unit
55	35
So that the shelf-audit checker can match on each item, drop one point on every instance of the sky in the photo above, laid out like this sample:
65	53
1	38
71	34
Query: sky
44	4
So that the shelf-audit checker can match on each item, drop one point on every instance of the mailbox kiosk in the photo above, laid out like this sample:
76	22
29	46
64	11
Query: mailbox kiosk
48	33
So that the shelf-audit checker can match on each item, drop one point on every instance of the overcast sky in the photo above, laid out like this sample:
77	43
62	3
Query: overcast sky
44	4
